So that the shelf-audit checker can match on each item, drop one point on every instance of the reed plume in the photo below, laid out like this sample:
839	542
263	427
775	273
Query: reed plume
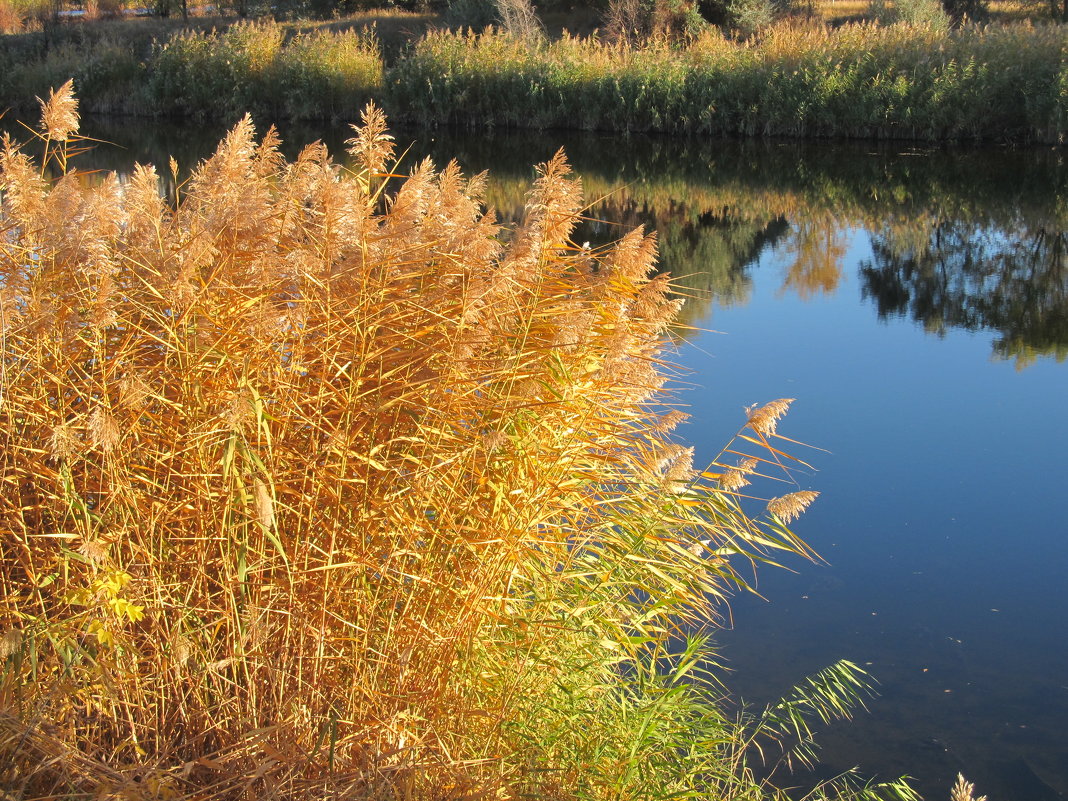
59	114
964	790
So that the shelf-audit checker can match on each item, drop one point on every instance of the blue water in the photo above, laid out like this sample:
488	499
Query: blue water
942	518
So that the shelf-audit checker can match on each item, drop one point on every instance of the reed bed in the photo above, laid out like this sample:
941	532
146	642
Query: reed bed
1004	82
311	487
252	66
106	59
263	67
899	81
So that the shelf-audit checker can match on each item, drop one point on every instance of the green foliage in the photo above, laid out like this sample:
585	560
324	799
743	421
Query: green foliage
859	81
107	69
917	13
676	19
750	16
915	80
108	62
159	67
197	73
252	66
108	75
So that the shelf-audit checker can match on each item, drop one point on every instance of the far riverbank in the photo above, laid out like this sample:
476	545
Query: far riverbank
1005	83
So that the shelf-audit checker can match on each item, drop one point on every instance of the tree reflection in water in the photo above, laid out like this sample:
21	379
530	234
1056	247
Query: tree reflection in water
818	246
971	239
1011	281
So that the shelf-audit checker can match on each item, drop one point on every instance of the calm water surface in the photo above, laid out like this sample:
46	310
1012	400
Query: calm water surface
915	302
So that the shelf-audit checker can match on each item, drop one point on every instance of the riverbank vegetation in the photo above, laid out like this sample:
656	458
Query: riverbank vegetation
860	81
317	485
282	72
903	72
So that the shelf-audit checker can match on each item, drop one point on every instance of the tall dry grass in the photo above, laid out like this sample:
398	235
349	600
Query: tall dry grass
310	486
10	18
17	16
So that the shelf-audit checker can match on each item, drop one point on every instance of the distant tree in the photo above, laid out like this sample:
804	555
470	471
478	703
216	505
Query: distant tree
960	10
638	20
749	16
626	20
518	17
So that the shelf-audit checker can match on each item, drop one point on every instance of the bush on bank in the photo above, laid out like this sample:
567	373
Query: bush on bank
254	67
250	66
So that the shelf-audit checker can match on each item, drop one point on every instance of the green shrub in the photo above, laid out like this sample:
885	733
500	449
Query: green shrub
326	75
250	66
917	13
750	16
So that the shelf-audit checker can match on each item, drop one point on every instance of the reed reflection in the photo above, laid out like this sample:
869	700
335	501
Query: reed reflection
966	239
817	246
960	239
